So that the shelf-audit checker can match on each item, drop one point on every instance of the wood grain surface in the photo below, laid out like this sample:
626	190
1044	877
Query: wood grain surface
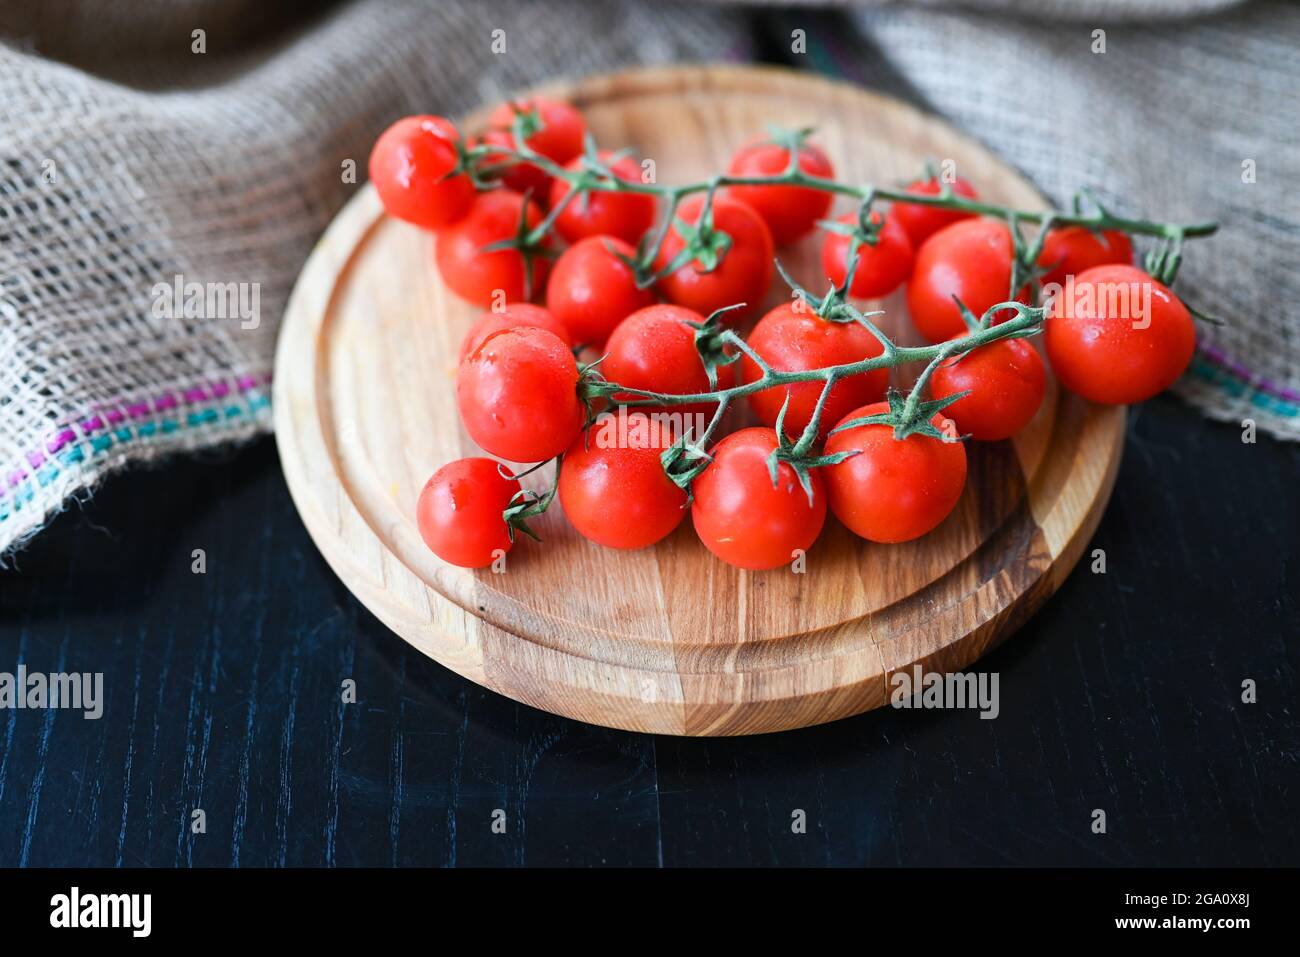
665	639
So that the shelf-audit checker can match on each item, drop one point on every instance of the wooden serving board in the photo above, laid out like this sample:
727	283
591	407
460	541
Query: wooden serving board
667	639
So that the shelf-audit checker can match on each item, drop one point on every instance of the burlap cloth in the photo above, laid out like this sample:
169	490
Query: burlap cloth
131	159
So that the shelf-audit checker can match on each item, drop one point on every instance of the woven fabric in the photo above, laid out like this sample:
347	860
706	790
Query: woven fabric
146	161
136	168
1186	121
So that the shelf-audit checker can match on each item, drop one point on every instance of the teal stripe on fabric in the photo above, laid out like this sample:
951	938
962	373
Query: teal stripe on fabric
77	455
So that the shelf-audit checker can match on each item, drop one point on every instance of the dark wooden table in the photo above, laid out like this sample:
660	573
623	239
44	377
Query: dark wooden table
222	692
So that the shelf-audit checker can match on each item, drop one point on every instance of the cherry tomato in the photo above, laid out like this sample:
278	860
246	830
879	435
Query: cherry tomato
459	512
598	213
482	277
1110	343
743	275
920	222
971	260
741	517
515	314
893	490
591	290
515	176
562	131
791	212
1073	249
409	166
617	494
1006	383
559	139
793	338
517	395
882	268
654	349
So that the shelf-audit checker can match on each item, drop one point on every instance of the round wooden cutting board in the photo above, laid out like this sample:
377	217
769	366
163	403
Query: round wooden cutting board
666	639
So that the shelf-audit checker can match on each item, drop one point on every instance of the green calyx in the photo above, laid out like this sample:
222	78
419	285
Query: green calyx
472	162
527	123
705	246
909	415
864	231
593	174
683	462
798	455
834	306
790	140
526	504
528	244
710	342
594	387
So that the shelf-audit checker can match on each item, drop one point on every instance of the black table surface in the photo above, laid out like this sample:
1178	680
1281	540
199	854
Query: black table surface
222	693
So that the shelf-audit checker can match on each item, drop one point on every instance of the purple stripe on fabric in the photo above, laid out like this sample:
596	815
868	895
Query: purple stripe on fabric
1215	354
61	439
136	410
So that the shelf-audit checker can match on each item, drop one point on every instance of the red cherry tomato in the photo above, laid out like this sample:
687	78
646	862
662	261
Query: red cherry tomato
741	517
1006	382
591	290
616	493
563	128
892	490
1074	249
484	277
409	166
793	338
791	212
514	315
1121	338
654	349
971	260
921	222
559	139
518	397
881	269
514	176
598	213
743	275
459	512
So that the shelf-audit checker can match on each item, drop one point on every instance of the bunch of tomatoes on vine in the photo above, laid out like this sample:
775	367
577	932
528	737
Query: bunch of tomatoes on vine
575	253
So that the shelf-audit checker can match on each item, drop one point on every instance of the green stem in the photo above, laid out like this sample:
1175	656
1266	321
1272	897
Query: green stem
867	195
1026	321
813	429
1101	219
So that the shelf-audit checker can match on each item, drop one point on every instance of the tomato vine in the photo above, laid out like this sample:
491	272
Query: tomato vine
705	244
